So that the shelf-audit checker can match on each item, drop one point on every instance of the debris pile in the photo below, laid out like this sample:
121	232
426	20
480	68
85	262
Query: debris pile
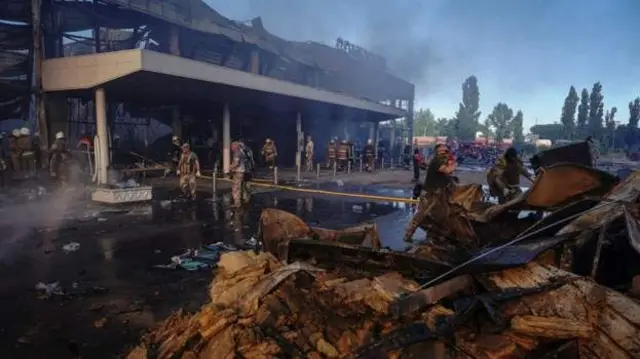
261	308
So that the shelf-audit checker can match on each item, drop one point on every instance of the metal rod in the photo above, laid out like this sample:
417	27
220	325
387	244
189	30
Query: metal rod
596	257
318	171
275	175
335	168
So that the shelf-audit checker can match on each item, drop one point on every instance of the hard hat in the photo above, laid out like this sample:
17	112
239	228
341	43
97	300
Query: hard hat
268	140
370	141
24	131
174	138
59	135
332	141
15	133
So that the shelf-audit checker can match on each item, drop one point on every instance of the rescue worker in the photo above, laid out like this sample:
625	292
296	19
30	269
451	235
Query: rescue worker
369	156
504	177
343	155
14	150
439	185
242	170
269	153
331	153
60	160
174	156
188	170
308	154
3	160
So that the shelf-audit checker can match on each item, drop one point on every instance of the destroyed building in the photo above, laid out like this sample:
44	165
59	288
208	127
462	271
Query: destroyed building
143	69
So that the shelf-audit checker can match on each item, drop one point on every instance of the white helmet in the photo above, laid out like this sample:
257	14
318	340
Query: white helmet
25	131
59	135
175	138
370	141
15	133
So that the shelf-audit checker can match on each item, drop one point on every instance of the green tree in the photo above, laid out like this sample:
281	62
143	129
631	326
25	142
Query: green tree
424	123
583	114
634	118
500	120
466	119
569	113
610	125
596	111
517	128
551	131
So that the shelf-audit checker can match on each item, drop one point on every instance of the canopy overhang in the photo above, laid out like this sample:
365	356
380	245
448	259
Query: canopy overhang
152	76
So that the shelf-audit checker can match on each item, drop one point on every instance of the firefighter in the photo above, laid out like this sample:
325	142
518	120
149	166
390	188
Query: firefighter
343	155
27	156
242	169
269	153
14	150
60	160
331	153
504	177
188	170
439	184
369	155
174	156
308	154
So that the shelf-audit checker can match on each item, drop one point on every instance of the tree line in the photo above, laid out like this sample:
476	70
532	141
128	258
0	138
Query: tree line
581	116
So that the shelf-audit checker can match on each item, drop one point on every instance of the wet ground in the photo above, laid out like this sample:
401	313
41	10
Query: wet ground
112	291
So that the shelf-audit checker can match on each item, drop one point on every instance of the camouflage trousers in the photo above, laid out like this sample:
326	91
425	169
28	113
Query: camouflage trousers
309	164
240	190
188	185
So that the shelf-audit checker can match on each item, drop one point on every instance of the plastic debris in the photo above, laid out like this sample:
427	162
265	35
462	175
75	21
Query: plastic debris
194	259
71	247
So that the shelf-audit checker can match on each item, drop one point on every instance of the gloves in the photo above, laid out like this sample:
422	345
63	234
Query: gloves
198	174
178	172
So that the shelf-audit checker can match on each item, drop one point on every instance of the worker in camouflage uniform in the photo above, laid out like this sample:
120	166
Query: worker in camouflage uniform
242	171
504	177
188	170
269	153
439	185
369	156
331	153
60	160
308	154
343	155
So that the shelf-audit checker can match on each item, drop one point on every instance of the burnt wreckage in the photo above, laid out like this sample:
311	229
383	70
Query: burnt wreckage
553	288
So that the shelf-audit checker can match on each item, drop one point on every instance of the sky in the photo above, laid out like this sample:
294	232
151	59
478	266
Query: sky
525	53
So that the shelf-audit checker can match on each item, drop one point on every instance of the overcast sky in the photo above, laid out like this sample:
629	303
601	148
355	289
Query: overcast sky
524	52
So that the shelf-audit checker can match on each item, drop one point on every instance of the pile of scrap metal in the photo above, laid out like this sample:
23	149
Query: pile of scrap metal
339	299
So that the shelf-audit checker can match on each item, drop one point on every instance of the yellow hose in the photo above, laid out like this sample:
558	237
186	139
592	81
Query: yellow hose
324	192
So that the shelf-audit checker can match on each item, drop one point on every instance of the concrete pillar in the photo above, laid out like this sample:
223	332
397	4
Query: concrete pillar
372	132
392	134
176	123
376	138
103	137
300	136
410	120
226	139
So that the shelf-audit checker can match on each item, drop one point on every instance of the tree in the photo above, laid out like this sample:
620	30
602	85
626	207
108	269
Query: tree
634	117
500	120
583	114
424	123
517	128
610	124
569	113
596	109
551	131
466	120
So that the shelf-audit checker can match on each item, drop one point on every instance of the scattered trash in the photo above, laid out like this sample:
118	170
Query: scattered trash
71	247
205	257
251	242
50	289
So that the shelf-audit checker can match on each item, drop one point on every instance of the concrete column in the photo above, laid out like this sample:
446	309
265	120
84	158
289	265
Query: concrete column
392	134
410	121
176	123
372	131
226	139
102	132
376	138
300	136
